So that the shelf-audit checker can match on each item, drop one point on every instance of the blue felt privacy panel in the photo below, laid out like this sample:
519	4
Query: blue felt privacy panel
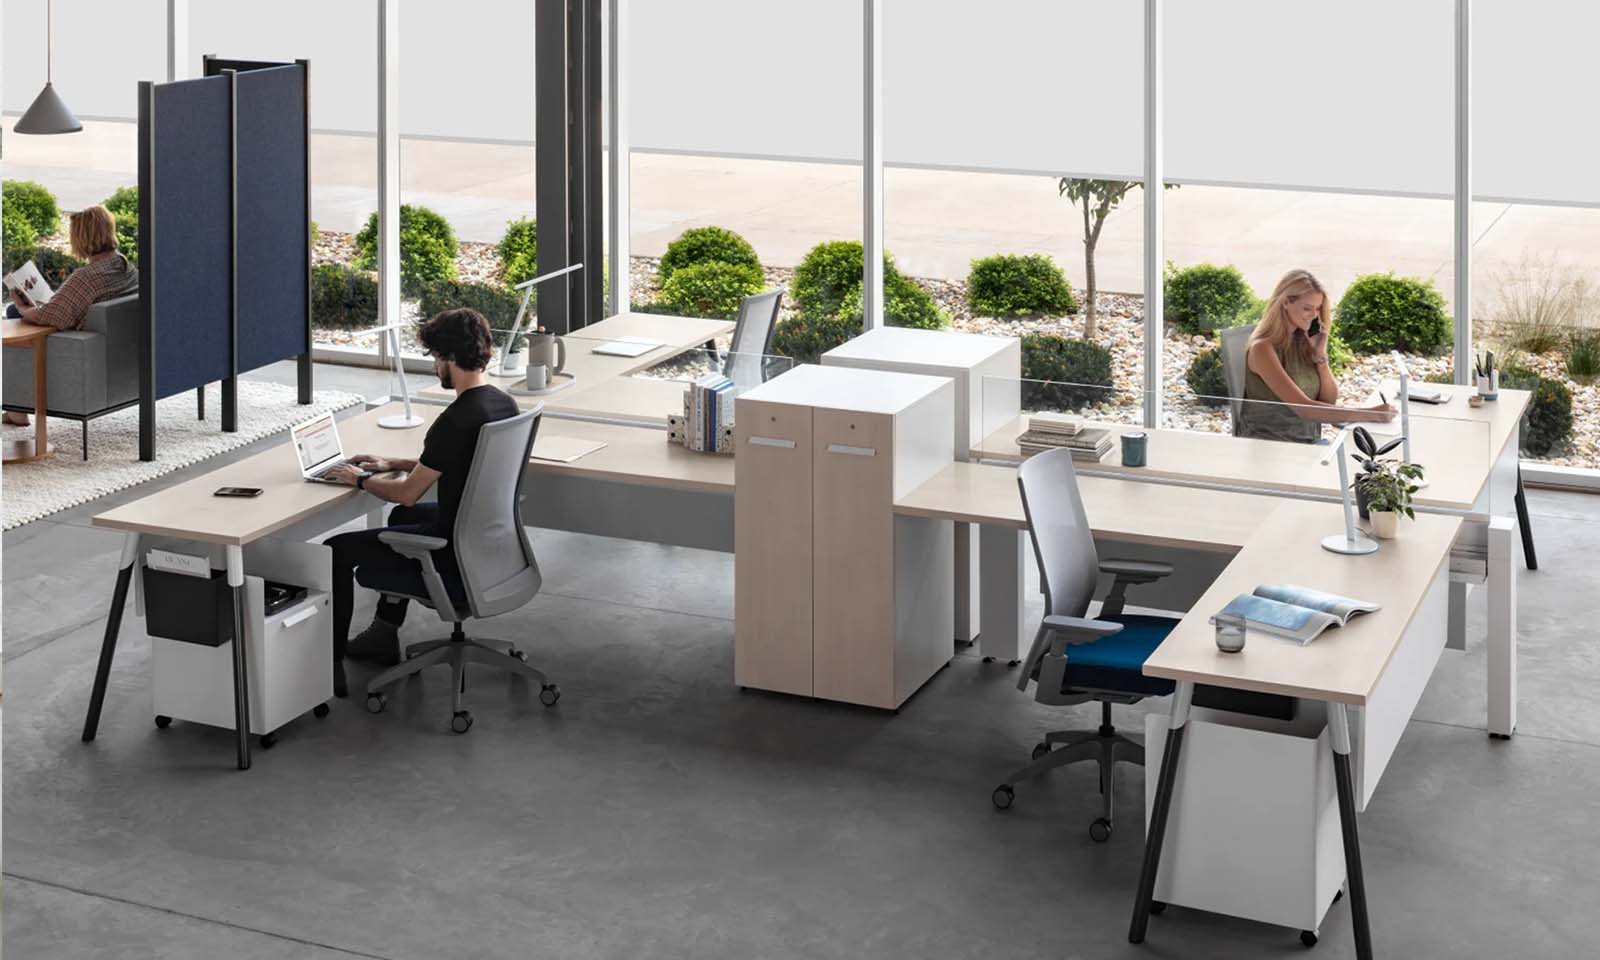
274	233
191	250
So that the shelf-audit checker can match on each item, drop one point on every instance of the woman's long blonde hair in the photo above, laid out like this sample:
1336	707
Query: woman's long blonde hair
1277	329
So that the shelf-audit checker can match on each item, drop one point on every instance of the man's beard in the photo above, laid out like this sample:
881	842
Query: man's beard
444	378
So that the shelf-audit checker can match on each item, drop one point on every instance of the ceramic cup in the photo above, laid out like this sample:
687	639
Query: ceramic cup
538	376
547	349
1133	449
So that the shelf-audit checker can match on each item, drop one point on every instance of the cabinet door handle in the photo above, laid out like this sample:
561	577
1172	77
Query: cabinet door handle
845	448
772	442
301	617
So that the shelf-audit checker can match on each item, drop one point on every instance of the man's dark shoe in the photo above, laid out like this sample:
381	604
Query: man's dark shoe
379	643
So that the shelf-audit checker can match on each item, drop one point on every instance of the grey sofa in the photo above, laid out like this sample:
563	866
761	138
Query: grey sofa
92	372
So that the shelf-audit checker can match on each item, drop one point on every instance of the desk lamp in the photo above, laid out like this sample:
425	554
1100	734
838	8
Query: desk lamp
1405	412
1351	541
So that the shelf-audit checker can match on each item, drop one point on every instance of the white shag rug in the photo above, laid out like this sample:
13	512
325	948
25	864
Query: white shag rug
64	479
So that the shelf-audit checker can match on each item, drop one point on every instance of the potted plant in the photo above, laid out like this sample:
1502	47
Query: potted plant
514	358
1385	486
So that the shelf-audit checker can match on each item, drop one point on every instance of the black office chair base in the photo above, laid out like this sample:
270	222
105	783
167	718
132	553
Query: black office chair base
1105	746
457	651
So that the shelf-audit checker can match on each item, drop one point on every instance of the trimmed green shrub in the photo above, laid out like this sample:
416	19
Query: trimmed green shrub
1548	423
711	289
827	275
1340	356
35	203
905	304
427	248
519	252
315	234
1447	375
1206	297
1381	312
124	209
1077	369
706	245
1013	285
342	298
1206	377
54	265
16	231
1583	355
805	338
497	303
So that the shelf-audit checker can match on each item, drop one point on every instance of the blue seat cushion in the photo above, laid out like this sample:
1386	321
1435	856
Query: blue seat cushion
1114	662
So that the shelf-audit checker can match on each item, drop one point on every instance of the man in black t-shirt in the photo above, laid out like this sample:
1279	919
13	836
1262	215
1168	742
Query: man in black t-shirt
460	344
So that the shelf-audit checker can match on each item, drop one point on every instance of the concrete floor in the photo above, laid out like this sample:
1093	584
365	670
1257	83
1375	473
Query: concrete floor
935	222
658	811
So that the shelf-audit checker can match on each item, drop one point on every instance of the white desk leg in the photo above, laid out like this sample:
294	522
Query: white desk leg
1001	635
241	680
1502	632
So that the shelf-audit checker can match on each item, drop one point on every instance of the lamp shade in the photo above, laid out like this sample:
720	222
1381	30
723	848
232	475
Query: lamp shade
48	114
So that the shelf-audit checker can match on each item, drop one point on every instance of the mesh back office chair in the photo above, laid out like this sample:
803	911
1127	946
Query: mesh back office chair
1075	659
746	362
498	570
1235	344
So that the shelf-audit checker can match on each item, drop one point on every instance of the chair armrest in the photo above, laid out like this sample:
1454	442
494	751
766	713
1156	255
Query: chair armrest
1136	571
1080	629
413	545
420	548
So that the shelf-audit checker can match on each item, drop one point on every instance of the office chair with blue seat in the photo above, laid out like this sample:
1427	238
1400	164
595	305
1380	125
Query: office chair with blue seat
1075	659
499	573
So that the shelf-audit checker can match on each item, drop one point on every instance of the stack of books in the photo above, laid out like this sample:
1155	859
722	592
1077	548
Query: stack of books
1088	444
708	415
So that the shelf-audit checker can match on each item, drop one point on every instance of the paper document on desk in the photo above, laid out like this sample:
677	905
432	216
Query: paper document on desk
563	449
1294	613
626	347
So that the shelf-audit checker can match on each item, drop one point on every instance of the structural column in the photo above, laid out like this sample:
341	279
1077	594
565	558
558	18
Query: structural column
389	166
1463	194
618	162
177	40
872	164
1154	203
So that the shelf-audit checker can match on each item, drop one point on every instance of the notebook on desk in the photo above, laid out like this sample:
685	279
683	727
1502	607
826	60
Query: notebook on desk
563	449
626	347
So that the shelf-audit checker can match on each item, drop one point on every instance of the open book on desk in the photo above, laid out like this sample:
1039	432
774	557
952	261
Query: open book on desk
1294	613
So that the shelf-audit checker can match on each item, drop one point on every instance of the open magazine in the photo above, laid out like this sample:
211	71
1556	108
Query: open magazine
31	283
1294	613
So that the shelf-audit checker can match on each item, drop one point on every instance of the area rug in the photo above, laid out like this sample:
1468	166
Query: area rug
33	490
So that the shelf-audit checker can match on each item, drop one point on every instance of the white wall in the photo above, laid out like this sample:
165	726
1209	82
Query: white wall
102	48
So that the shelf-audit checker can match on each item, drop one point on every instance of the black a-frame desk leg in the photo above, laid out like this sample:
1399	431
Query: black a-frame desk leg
1523	525
1181	699
108	645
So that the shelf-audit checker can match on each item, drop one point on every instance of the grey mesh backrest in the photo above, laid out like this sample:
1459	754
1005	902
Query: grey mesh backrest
1069	566
492	547
752	337
1235	345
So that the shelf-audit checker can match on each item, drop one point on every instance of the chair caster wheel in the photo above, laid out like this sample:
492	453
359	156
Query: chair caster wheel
1003	797
988	659
268	741
548	695
163	722
1012	663
376	702
461	722
1100	830
1158	907
516	654
1040	749
1308	937
320	710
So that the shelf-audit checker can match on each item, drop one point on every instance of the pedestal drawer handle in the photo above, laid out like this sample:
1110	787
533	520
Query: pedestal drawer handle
845	448
772	442
301	617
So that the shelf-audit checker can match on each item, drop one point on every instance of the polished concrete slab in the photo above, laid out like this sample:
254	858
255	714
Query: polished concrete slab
659	811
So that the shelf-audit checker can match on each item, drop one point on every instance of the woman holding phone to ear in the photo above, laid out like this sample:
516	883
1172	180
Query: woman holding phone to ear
1287	363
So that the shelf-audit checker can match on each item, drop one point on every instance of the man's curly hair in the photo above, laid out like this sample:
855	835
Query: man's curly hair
460	335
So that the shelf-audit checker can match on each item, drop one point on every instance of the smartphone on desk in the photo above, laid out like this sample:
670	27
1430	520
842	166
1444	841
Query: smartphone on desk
237	492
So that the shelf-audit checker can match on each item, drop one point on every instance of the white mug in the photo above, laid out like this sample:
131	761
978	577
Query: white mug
538	376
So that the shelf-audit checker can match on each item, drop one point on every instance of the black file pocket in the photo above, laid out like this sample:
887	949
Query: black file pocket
188	609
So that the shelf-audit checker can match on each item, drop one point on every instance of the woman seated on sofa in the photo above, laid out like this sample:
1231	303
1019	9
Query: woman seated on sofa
107	276
1287	363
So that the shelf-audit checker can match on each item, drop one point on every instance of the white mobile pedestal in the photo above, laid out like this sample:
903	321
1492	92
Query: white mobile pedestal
289	653
835	597
981	409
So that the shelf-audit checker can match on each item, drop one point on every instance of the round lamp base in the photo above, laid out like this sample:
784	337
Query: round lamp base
1354	546
399	421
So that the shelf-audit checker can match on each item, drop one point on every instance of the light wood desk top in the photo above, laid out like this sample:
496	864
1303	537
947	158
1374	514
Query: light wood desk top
15	330
190	511
1456	453
1151	513
638	455
677	335
1501	417
1342	665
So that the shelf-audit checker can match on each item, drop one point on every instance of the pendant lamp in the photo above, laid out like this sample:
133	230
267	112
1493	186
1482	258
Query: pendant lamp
48	114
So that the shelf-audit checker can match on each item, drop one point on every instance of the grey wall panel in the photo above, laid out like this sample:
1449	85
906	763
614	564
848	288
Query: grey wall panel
273	233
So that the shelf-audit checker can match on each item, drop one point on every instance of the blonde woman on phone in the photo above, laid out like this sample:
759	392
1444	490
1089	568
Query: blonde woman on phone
1287	363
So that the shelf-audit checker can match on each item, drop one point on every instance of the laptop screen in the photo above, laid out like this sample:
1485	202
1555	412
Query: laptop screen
316	442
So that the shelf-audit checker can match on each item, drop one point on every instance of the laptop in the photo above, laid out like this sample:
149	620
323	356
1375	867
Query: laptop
317	444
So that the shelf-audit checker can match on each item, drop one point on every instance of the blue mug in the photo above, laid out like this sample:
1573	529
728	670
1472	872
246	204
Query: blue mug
1133	449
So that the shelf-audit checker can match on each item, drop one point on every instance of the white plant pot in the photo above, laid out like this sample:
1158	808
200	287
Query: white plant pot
1385	523
512	364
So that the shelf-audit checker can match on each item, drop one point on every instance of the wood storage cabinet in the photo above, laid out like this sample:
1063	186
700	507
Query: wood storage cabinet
836	597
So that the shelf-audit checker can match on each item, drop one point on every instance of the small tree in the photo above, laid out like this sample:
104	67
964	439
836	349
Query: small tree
1097	198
